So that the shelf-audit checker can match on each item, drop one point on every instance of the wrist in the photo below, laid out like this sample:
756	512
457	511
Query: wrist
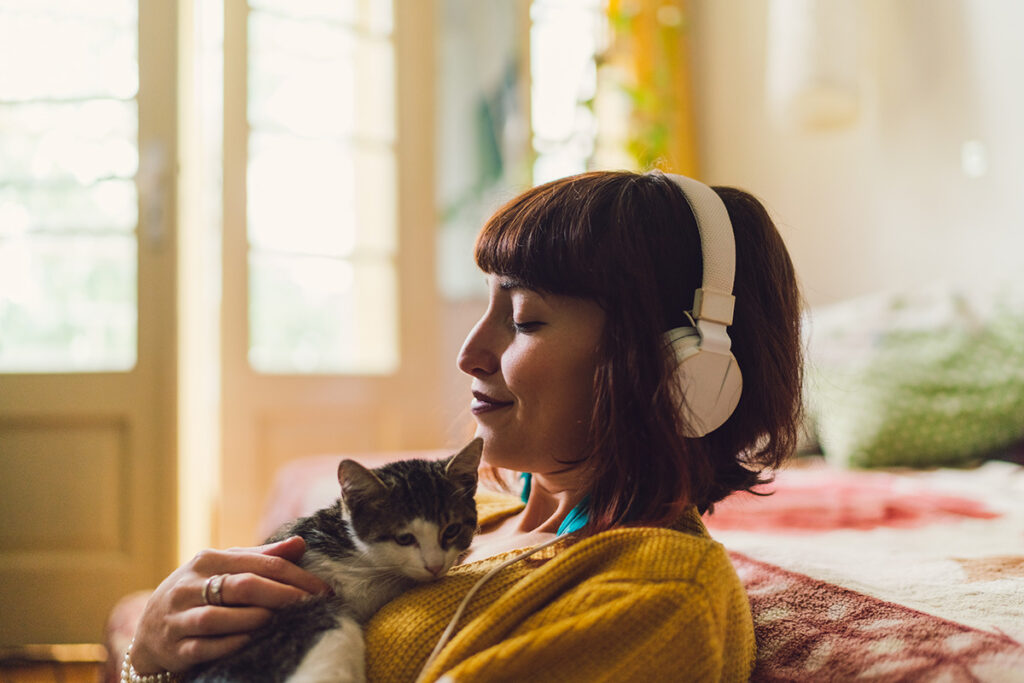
129	674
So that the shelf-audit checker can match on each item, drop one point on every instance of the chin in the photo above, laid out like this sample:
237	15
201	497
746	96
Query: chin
496	456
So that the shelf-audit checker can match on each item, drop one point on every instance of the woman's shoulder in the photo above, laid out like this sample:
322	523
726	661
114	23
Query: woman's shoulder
683	552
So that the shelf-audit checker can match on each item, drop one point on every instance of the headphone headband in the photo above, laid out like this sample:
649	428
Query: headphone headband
714	300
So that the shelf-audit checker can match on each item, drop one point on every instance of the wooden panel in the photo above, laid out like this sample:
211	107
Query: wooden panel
87	460
285	436
75	663
62	485
51	672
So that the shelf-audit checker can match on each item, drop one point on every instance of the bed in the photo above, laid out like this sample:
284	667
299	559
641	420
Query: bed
883	576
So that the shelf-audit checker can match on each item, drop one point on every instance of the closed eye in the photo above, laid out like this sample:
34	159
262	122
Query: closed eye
405	539
528	326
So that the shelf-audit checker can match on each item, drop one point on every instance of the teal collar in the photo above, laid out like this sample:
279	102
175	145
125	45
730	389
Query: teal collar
577	517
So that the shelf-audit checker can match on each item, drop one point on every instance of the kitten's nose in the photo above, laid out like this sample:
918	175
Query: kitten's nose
435	569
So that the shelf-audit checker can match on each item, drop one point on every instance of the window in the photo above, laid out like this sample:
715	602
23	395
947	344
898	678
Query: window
321	187
565	37
68	200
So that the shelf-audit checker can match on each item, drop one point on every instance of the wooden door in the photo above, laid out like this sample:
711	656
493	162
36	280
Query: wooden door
330	332
87	315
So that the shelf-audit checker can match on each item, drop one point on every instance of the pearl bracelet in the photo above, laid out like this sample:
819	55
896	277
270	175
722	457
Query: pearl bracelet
130	675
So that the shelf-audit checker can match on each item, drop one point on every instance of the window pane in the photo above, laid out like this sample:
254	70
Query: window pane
108	206
565	38
290	64
371	16
67	304
80	142
68	201
321	188
70	49
300	196
314	317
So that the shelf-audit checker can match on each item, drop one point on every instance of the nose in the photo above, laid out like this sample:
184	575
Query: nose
477	357
435	569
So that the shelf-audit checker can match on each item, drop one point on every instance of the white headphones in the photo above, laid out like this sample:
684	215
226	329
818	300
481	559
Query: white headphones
708	374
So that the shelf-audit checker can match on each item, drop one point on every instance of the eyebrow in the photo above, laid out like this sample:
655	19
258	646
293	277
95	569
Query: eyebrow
506	283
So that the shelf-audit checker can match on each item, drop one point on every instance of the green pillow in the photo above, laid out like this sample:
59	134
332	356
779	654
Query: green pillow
919	379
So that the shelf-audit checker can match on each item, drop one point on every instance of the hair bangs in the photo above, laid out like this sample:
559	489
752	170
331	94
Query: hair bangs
544	242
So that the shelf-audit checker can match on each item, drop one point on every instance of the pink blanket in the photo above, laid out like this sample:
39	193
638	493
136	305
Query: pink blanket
883	576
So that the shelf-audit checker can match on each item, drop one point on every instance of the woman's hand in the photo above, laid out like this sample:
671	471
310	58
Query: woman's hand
178	629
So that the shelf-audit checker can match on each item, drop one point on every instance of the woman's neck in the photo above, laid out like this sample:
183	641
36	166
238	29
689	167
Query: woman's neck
550	501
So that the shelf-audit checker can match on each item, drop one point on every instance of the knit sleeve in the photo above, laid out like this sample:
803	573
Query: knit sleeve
616	631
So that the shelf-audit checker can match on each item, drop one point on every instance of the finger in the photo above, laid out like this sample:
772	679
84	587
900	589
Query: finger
194	651
209	621
253	589
291	548
210	562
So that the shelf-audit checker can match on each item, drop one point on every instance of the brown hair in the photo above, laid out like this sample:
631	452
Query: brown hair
630	242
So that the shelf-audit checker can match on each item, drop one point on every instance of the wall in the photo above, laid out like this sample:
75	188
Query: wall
882	203
894	198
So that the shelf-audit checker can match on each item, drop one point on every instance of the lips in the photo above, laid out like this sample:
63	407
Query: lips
483	403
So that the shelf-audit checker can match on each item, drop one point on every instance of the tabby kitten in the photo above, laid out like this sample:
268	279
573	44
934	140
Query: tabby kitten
393	526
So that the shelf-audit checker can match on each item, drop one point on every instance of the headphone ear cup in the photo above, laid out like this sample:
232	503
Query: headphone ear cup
709	383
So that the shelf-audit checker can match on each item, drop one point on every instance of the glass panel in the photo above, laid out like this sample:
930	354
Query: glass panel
338	10
80	142
377	16
312	317
565	38
371	16
287	94
71	49
107	206
290	62
301	196
321	188
67	304
68	201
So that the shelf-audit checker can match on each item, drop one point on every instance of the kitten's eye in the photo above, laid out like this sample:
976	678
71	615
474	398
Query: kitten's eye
405	539
451	531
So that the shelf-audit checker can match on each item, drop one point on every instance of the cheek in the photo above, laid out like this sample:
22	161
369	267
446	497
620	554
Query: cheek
568	389
386	554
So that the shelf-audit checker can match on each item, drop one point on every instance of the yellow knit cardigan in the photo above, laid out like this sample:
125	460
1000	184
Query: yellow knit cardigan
632	604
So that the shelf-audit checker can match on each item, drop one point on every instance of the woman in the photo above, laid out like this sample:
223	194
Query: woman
575	384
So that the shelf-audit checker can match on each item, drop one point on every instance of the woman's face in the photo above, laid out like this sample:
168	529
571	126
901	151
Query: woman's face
532	358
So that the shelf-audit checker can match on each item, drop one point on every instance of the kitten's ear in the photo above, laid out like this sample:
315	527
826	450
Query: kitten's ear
462	467
357	481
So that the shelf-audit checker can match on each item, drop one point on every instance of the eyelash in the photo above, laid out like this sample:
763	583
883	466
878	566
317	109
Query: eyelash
527	327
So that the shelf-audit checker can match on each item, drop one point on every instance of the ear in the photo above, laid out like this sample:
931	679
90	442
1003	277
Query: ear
462	467
357	481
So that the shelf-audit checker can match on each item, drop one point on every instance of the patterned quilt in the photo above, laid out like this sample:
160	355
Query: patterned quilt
883	576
